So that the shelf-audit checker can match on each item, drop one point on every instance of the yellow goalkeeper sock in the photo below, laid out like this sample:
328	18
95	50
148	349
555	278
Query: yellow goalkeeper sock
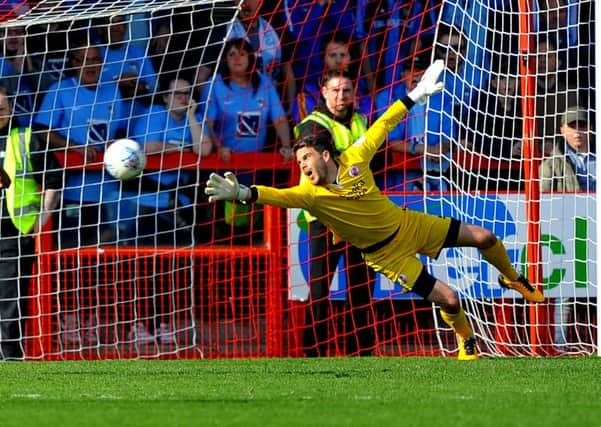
458	322
497	256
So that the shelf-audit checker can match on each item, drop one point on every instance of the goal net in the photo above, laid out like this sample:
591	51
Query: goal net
523	104
147	268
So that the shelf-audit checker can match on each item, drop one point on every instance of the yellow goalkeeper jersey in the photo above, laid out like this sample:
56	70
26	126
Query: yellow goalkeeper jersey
353	207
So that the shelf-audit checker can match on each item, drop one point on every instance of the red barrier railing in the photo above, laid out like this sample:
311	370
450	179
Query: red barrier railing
271	161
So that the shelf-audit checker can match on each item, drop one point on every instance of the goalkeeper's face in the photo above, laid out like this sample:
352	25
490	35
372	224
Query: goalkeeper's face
314	165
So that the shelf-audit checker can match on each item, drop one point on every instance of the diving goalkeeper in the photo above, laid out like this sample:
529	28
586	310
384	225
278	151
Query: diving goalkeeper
340	191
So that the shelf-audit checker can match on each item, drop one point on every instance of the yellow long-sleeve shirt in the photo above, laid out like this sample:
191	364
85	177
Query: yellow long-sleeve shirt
353	207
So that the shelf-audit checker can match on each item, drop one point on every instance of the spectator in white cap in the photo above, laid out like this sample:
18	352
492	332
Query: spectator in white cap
571	166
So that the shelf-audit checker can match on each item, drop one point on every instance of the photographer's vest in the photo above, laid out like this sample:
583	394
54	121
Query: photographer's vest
342	136
23	198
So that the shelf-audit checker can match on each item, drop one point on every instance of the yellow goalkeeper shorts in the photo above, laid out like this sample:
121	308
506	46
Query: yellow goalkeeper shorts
419	234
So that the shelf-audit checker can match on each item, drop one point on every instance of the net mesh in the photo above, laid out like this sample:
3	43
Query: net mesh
148	268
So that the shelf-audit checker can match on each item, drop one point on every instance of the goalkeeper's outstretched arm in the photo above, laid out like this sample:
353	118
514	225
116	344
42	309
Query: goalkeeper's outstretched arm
226	187
428	86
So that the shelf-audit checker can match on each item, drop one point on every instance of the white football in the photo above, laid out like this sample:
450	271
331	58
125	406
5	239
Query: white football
124	159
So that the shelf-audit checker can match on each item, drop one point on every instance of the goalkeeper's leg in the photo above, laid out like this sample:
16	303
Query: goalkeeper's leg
493	250
451	312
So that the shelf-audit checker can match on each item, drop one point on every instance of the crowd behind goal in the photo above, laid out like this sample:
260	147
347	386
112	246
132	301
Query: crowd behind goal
199	81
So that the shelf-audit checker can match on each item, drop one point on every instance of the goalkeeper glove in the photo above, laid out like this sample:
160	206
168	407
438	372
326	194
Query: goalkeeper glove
226	187
429	84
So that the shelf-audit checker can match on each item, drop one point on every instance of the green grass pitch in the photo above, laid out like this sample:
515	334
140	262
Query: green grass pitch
304	392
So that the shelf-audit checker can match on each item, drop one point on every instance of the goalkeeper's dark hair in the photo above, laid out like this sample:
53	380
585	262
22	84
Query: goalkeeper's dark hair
318	143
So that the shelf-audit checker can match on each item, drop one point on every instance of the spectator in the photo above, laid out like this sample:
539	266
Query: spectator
265	42
159	51
18	224
16	69
409	135
172	127
559	19
553	90
4	179
463	80
570	168
495	129
337	124
308	23
447	112
586	52
166	216
82	114
472	18
126	64
502	32
176	125
553	93
50	61
338	54
569	23
241	103
139	30
12	9
391	31
196	39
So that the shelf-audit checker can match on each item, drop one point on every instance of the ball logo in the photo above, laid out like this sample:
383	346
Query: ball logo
354	171
131	160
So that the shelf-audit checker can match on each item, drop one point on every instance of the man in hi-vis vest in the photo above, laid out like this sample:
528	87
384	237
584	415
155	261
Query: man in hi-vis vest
4	179
336	121
26	205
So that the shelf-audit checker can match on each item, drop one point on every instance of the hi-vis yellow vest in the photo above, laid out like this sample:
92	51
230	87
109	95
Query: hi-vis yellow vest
343	137
23	198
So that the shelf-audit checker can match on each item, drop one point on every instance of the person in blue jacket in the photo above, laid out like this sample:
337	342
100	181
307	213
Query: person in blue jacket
172	126
82	114
126	64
